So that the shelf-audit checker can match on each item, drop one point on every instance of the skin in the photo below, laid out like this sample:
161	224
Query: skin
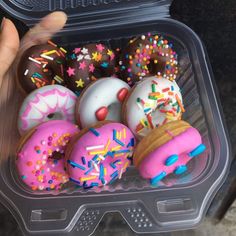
11	50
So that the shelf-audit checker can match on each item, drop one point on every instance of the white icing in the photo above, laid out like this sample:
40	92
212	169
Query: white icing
102	93
47	100
135	110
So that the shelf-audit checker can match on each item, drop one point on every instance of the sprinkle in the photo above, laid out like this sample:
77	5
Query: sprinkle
142	122
26	72
23	177
105	171
103	181
119	142
180	103
172	88
124	133
121	172
75	165
95	158
63	50
158	178
112	165
116	148
32	59
107	145
58	79
95	166
165	90
101	157
83	160
46	57
101	171
153	88
87	178
53	44
198	150
149	117
88	171
75	181
114	134
94	131
131	143
153	81
121	151
94	147
97	152
126	164
94	184
95	174
115	174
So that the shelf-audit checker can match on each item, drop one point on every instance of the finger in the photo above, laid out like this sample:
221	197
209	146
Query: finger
44	30
9	45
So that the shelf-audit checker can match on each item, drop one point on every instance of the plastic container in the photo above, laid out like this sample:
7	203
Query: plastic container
179	202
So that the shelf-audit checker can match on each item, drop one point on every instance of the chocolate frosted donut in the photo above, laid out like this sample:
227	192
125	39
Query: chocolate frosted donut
145	56
41	65
87	64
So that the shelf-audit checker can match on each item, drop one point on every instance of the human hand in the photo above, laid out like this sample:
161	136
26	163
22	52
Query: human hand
11	50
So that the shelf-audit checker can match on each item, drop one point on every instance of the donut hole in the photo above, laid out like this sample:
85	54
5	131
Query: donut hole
156	65
54	116
114	112
56	155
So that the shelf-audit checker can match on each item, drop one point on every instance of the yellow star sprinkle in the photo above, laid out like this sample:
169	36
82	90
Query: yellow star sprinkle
79	83
96	56
109	52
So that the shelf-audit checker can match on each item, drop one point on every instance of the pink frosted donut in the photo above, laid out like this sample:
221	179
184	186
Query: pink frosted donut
171	147
100	155
40	155
52	102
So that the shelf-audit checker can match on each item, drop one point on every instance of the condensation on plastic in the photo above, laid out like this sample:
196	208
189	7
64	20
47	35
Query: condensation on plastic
180	202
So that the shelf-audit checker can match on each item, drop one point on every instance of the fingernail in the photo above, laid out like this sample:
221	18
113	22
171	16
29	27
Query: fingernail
2	23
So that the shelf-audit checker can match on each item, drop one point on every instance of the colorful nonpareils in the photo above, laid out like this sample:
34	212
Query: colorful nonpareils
148	55
37	151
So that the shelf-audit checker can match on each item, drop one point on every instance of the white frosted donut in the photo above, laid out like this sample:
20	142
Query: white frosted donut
152	102
100	101
52	102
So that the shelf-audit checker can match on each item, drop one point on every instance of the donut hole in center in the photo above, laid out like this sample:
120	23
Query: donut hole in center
56	155
156	65
114	112
54	116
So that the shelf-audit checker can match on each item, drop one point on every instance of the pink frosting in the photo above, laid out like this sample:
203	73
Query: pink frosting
101	156
33	162
181	145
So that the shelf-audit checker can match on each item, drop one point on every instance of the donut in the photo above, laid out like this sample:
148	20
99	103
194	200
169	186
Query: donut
41	65
40	155
167	150
100	154
51	102
148	55
87	64
151	103
101	101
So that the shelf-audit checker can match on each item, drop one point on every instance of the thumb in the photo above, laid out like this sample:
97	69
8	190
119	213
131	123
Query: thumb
9	45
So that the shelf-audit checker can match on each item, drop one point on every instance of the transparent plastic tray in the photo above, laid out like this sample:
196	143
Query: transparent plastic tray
180	202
